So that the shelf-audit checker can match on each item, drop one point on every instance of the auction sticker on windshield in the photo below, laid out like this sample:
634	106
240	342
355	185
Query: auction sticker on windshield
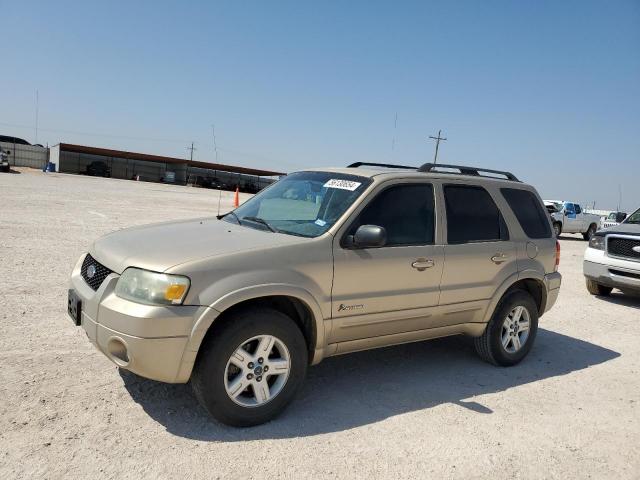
342	184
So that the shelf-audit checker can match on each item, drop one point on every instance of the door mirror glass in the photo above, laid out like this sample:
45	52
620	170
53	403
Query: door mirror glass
370	236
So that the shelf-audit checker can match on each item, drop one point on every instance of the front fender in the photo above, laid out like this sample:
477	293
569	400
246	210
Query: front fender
204	322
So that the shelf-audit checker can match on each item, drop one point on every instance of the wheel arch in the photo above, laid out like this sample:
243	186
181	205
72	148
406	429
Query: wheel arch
295	302
530	283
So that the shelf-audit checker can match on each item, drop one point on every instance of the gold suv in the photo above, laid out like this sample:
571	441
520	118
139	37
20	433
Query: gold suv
321	263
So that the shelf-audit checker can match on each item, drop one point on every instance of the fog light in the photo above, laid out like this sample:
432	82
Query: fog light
118	351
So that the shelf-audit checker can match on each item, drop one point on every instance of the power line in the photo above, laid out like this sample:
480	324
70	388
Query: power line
437	139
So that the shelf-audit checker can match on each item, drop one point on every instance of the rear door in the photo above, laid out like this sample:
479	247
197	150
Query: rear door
580	218
479	254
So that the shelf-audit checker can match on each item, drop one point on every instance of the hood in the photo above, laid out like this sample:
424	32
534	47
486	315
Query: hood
623	229
161	246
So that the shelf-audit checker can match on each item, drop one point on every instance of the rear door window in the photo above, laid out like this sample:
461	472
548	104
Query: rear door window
528	211
472	215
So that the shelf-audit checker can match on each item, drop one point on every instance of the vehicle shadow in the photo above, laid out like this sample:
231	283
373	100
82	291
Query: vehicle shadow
625	299
572	239
363	388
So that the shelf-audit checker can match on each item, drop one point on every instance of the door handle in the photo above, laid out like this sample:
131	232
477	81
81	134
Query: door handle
499	258
422	264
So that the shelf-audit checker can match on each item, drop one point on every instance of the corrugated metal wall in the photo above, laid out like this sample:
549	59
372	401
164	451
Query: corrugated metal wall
26	155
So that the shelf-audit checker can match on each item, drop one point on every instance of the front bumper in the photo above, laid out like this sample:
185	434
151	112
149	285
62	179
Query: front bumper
611	271
152	341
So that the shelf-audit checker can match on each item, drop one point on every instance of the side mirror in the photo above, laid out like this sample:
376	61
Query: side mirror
369	236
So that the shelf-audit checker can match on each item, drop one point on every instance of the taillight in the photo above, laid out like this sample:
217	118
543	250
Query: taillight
557	255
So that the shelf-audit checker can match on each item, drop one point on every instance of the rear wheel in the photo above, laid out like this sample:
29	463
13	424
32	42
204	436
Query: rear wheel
590	231
595	288
511	331
251	367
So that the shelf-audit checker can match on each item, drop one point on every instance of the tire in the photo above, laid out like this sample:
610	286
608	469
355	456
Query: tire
215	372
590	231
557	228
490	346
595	288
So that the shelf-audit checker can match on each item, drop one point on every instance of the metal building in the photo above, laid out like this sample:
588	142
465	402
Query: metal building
81	159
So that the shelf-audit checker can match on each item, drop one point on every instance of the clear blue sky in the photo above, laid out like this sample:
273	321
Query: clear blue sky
548	90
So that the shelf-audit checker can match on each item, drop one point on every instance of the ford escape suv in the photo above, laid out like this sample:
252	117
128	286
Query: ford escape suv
321	263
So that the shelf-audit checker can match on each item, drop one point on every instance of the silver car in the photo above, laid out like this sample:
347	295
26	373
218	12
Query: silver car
321	263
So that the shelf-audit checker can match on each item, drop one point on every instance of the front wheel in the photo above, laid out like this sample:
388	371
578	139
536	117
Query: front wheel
251	367
557	228
595	288
511	331
589	233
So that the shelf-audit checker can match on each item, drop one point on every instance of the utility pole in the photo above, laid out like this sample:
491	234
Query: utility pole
619	196
437	139
192	148
37	107
215	145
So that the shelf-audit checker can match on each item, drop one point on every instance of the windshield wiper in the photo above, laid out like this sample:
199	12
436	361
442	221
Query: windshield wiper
259	220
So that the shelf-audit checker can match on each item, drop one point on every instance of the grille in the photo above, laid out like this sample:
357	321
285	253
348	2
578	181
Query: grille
98	277
623	247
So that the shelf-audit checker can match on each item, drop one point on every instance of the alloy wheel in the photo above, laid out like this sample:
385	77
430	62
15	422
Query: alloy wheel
257	371
515	329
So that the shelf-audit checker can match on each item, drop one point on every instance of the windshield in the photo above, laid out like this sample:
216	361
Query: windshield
306	204
634	217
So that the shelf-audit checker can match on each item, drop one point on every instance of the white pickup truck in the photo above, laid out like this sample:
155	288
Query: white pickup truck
568	217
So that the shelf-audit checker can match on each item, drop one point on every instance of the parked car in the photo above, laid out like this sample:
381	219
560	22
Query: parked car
98	169
4	161
571	218
322	263
613	219
612	259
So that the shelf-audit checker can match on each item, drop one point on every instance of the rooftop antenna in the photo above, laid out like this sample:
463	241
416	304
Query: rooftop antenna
215	149
437	139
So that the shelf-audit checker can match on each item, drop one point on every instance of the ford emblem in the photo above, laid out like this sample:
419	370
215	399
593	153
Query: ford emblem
91	271
636	249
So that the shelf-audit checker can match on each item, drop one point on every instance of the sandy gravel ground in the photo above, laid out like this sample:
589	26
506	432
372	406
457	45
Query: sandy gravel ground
570	410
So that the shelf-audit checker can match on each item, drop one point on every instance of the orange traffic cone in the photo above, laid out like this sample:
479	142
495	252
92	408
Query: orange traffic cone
236	198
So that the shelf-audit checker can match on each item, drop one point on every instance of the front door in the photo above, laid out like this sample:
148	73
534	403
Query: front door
390	289
571	223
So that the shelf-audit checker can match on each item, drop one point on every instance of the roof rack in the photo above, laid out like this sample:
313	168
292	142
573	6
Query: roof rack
430	167
384	165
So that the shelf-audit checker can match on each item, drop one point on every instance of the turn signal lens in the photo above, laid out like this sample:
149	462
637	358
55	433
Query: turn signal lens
597	242
557	255
175	292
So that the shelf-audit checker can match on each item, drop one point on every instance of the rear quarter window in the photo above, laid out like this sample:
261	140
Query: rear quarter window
528	211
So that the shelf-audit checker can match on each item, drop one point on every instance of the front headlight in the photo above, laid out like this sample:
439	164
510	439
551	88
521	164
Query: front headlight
597	242
152	288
